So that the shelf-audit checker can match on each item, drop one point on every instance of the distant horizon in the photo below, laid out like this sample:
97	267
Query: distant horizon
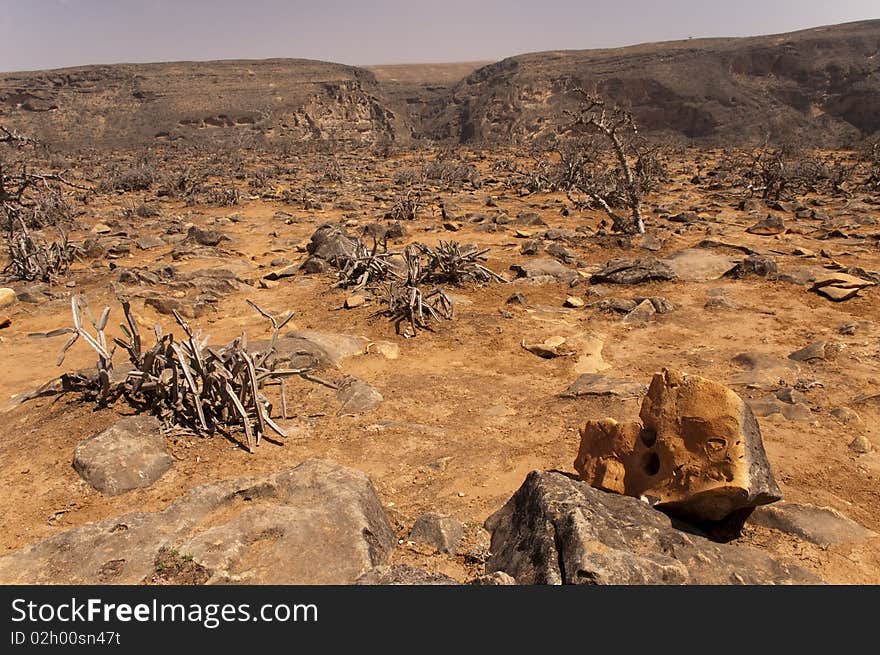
82	33
430	63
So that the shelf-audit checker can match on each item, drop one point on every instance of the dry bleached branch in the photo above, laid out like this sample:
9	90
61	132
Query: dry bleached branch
185	382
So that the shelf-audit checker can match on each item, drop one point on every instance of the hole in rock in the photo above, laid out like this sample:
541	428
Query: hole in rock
652	464
648	437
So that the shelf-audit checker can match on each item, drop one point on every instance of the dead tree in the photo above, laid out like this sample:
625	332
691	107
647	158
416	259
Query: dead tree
618	127
18	181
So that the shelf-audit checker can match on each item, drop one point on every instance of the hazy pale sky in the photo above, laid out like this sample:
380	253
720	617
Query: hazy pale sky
37	34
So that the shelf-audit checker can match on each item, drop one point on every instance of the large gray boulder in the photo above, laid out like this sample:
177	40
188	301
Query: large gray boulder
557	530
130	454
318	523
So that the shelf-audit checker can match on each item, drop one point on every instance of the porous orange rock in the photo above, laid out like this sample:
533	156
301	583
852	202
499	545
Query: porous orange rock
697	451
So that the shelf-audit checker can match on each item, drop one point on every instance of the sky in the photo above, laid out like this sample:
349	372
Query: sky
39	34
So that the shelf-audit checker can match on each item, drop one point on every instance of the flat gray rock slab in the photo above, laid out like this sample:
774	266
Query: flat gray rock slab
318	523
699	265
558	530
545	267
130	454
596	384
818	525
336	346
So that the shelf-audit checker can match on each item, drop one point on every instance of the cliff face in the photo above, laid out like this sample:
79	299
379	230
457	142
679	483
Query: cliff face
130	105
823	83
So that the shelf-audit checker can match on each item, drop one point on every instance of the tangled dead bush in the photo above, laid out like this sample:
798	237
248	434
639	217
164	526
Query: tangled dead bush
181	379
33	258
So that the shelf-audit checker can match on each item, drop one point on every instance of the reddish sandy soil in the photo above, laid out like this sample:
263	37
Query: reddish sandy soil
487	411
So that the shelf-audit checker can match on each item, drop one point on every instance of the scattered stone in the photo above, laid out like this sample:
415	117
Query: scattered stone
403	574
388	349
334	347
102	228
574	302
720	303
595	384
686	217
768	227
699	264
770	405
822	526
545	267
517	299
496	578
551	347
529	218
442	532
758	265
327	246
130	454
791	396
618	305
642	312
531	247
556	530
7	297
633	271
148	242
168	306
861	445
354	300
840	286
763	370
661	305
818	350
205	237
357	397
846	415
561	253
651	242
697	452
318	523
281	273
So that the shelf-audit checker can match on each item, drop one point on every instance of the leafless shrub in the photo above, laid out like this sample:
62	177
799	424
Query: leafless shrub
406	302
365	267
182	380
136	178
184	184
409	177
406	206
222	196
453	263
33	258
450	171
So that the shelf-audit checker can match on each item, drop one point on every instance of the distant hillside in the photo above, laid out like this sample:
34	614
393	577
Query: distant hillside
127	104
823	83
